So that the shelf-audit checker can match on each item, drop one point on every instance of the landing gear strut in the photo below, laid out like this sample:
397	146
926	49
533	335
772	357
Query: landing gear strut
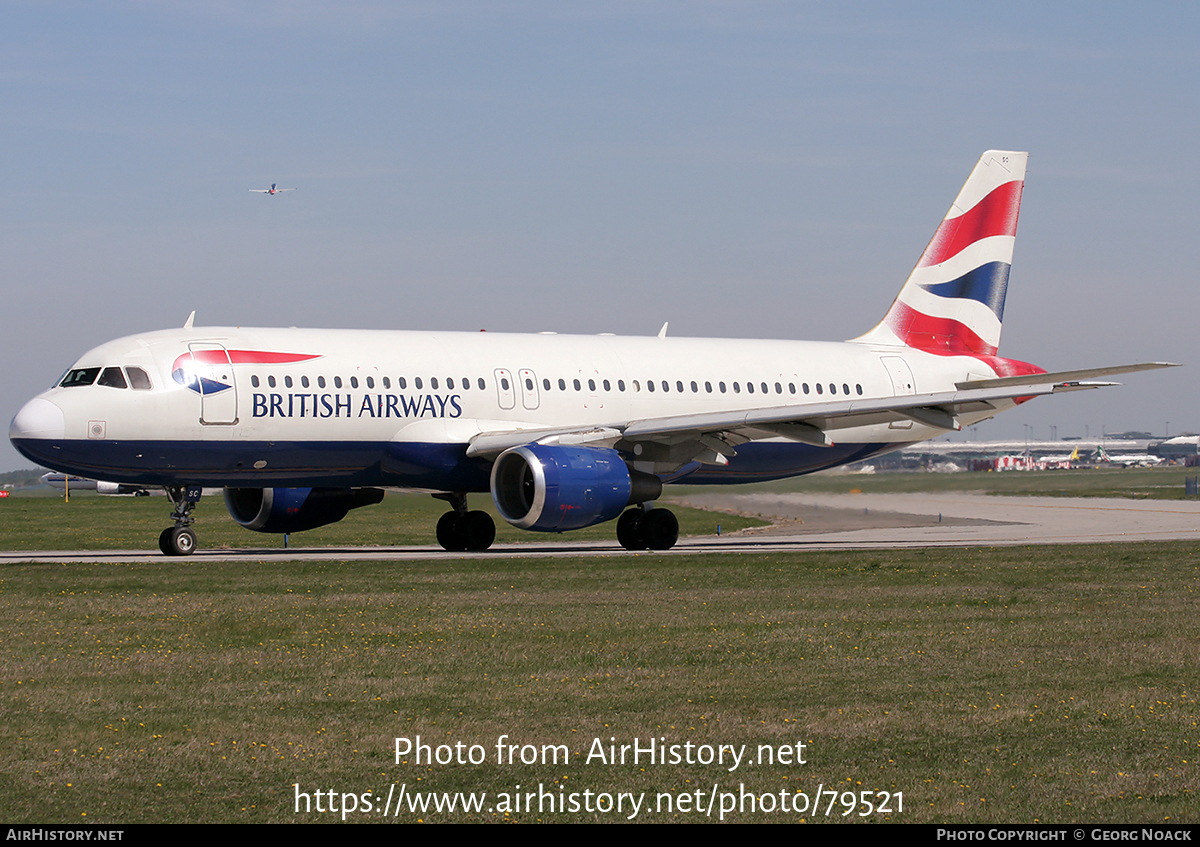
179	540
462	530
647	529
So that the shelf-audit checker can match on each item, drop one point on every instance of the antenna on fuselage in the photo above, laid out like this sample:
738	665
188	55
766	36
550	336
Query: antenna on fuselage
662	333
188	323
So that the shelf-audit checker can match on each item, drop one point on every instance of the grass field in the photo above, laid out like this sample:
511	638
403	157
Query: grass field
93	522
1154	483
1013	685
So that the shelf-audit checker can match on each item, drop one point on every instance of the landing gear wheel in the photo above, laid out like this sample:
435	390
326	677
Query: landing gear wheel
473	531
659	529
447	532
177	541
477	531
629	530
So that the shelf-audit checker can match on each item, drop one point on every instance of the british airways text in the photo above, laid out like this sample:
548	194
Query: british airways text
345	406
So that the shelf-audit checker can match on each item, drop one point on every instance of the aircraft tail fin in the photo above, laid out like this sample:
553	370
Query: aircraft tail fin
953	301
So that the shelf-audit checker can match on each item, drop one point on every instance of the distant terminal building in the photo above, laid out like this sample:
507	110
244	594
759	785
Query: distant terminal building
1026	455
1181	448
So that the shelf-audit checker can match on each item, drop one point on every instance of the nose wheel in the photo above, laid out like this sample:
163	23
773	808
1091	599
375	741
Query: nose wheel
177	541
180	540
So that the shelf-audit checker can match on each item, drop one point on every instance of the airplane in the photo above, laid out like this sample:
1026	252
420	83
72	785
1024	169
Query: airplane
1128	460
65	482
271	190
299	426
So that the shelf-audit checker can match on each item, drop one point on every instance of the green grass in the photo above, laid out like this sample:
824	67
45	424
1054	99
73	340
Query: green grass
1010	685
92	522
1154	483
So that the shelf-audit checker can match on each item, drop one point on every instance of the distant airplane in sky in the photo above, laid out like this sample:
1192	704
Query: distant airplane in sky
271	190
299	426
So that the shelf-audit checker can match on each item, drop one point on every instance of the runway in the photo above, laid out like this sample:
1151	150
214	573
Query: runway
800	522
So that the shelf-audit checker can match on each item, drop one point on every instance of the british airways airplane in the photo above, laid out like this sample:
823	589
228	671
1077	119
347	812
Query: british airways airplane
299	426
272	190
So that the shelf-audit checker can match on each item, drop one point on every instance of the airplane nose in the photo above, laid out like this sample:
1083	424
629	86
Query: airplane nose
37	419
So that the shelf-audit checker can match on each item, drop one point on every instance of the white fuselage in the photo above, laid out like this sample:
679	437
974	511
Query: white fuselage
414	400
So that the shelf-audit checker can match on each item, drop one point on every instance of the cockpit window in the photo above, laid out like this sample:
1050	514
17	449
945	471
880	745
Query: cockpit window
79	376
113	378
139	380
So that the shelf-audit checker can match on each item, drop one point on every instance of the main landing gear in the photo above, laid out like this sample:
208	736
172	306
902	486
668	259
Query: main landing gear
179	540
647	529
462	530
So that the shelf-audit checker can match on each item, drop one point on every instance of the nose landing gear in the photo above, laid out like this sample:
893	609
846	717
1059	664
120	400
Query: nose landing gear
179	540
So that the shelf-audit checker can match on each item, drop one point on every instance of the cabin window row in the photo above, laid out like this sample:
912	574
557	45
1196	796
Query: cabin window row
650	385
369	382
679	386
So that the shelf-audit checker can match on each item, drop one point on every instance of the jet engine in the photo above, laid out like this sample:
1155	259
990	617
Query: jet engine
554	488
295	509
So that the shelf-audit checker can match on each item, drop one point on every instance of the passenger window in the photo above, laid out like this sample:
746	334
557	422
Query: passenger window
337	382
791	388
387	383
528	384
858	388
819	391
254	380
139	380
649	385
666	385
721	386
466	384
737	389
113	378
354	382
845	388
320	382
287	380
578	387
304	381
708	387
271	381
695	388
546	384
433	383
620	385
417	382
832	388
750	387
562	385
400	381
370	382
450	383
591	385
607	385
503	383
679	385
482	384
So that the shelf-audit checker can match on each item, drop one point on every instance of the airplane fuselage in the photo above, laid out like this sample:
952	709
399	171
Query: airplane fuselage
287	407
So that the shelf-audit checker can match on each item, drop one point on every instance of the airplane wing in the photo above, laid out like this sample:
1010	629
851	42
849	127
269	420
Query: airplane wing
719	433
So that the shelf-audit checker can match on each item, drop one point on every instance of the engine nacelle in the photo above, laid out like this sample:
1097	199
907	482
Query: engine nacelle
554	488
295	509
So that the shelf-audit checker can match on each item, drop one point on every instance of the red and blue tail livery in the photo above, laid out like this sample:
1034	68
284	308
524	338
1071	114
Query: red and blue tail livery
953	301
561	431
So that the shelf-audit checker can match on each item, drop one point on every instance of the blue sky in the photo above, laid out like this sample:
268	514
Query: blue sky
739	169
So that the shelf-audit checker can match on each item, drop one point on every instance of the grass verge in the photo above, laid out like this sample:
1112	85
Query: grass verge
1007	685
